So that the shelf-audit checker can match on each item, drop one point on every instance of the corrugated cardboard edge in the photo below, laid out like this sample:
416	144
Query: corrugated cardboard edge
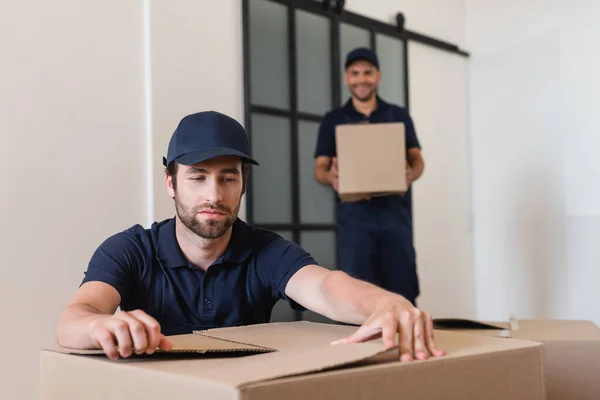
244	347
264	348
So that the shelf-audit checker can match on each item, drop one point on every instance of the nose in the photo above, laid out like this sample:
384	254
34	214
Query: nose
214	193
362	79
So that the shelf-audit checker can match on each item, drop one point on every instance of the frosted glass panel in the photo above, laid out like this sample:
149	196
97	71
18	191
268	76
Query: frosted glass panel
317	202
271	181
351	37
391	59
321	245
282	312
286	235
269	66
313	62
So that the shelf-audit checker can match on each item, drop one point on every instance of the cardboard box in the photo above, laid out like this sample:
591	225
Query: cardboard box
371	160
572	351
295	360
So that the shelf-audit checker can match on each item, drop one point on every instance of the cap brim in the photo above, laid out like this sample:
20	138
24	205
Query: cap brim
352	60
212	152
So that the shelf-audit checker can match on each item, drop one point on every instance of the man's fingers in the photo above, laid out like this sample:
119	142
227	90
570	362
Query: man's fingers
419	339
362	334
164	343
137	331
152	328
429	341
106	341
406	335
389	330
120	329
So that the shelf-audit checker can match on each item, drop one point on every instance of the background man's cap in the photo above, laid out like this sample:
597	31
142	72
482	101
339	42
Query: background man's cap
206	135
362	53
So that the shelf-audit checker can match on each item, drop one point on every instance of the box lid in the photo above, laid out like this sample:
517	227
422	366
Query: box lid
189	343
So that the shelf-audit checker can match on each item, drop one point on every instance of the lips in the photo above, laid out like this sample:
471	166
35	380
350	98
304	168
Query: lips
212	212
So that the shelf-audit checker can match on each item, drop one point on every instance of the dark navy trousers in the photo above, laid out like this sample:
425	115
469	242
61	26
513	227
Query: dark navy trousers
375	244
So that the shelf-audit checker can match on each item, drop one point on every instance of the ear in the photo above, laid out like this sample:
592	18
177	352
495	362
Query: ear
378	76
346	77
169	185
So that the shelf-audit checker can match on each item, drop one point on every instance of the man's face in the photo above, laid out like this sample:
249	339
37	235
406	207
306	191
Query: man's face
362	78
208	195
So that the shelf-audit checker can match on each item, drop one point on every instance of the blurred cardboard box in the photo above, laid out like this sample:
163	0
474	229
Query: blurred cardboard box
572	351
371	160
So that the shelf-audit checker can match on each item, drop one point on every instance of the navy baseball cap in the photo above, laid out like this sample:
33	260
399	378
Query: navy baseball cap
362	53
206	135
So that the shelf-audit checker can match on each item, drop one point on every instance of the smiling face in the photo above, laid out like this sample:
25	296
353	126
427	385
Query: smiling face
362	78
207	195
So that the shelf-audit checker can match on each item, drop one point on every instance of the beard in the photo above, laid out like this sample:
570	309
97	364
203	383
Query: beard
364	98
210	228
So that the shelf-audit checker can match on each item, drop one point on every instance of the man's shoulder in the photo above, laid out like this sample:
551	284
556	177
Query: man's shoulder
334	116
260	237
396	110
265	241
137	236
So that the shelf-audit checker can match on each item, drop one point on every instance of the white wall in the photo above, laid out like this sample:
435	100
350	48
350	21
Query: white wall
442	197
444	20
196	53
72	154
534	94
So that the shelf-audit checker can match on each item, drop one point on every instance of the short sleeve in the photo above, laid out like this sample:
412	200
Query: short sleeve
326	138
117	262
278	262
411	135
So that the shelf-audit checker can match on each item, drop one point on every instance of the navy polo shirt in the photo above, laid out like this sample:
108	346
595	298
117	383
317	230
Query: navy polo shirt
385	112
148	269
347	114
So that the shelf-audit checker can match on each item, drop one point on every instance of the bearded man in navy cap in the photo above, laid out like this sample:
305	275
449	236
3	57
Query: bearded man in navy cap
206	268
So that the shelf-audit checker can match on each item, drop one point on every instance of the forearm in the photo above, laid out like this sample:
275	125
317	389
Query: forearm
75	324
417	166
351	300
322	175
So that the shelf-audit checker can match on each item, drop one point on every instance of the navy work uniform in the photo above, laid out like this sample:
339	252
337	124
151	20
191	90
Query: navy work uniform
151	273
375	237
148	269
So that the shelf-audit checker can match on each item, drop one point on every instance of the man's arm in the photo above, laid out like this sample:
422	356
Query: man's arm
89	321
336	295
326	171
325	160
415	166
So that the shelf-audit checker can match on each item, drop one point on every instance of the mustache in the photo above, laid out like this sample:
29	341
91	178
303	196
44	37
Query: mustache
209	206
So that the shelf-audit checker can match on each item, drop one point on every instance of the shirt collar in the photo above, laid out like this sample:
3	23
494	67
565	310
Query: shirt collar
381	106
170	255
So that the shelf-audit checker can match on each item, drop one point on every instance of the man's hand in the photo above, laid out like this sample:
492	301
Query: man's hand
410	175
123	333
333	175
396	315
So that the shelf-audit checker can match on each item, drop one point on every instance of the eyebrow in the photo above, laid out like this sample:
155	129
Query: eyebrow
198	170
